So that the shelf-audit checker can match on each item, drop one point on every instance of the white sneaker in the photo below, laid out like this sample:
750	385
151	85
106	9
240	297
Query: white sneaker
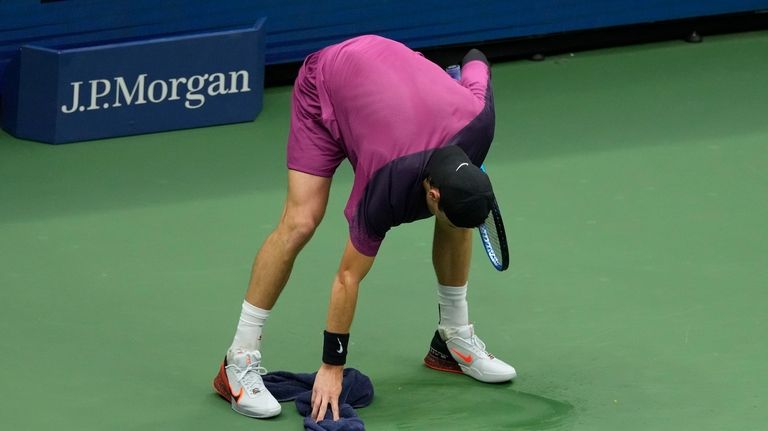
459	350
239	382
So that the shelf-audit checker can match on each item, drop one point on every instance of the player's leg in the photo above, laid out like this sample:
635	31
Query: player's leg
304	209
451	253
455	347
239	379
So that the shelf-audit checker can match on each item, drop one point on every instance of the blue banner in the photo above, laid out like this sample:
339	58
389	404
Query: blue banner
61	95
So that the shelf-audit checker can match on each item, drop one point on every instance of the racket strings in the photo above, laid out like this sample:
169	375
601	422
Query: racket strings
495	239
493	234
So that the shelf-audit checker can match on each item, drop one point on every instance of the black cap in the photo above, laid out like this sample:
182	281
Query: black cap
466	195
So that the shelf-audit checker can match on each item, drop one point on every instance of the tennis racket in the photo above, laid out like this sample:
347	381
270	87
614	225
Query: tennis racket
492	233
494	238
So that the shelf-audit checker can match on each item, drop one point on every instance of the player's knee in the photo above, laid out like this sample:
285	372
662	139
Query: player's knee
299	228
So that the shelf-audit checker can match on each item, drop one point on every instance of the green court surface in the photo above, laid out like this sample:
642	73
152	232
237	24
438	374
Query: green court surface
633	183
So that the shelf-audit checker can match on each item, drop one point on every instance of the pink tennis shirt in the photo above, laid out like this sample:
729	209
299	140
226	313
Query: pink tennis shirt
385	108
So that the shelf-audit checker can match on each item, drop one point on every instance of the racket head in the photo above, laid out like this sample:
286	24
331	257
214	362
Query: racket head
494	237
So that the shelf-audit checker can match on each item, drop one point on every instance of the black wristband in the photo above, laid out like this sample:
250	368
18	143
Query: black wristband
335	348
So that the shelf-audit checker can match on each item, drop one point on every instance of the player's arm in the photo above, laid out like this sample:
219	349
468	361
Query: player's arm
341	310
476	73
353	268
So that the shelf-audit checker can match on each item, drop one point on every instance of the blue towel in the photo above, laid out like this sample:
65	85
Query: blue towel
356	392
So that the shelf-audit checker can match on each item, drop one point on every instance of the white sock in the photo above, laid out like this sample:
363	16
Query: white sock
452	306
248	334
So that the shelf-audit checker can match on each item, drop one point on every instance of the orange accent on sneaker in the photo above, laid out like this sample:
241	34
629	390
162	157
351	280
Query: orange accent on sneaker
238	395
441	365
221	383
223	388
465	358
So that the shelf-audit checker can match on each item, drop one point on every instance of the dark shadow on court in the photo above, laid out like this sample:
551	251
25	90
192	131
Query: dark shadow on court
432	405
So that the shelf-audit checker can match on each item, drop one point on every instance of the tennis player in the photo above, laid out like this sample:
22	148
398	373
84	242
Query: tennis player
415	138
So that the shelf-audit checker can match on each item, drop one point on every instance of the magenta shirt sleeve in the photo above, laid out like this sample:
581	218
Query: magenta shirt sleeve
474	76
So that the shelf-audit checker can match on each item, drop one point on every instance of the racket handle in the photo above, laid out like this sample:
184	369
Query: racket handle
454	71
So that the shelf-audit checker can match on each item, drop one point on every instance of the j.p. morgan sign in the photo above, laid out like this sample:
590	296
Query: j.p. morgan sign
75	94
191	91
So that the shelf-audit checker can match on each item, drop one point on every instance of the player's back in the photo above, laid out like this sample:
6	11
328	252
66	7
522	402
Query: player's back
389	101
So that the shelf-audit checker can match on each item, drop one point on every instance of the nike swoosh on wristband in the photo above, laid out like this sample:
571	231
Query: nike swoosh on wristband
341	348
465	358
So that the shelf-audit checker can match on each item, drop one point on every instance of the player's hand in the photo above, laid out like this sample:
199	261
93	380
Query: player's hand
326	391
